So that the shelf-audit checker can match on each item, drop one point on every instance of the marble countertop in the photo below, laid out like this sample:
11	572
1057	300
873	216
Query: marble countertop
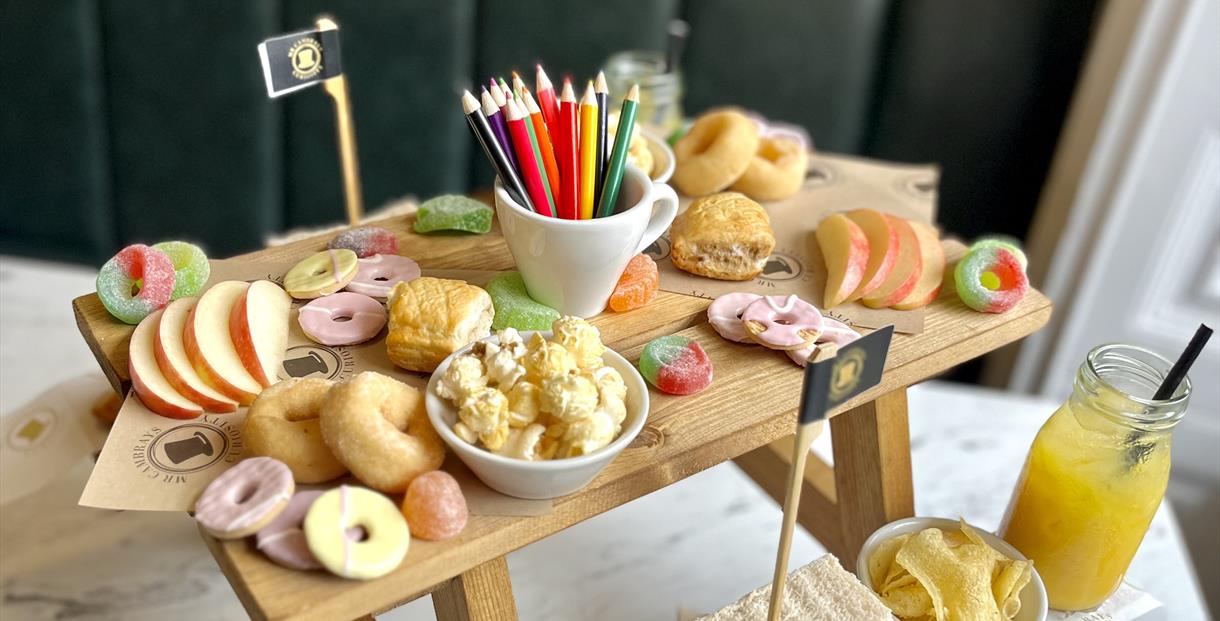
696	545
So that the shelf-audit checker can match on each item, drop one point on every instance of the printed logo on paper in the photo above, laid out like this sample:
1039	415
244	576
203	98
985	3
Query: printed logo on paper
780	267
171	453
659	249
313	360
32	431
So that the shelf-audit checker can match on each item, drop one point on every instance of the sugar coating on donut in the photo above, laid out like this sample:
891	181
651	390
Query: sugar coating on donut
244	498
283	423
434	506
366	241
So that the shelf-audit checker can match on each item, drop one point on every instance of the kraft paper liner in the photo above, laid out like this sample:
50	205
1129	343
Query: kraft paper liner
154	463
833	184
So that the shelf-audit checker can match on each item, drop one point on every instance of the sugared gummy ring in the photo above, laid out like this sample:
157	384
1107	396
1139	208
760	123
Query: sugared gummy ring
1007	243
990	280
191	267
135	265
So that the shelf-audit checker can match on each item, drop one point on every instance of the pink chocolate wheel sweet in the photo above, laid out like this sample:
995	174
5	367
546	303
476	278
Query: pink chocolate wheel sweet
283	541
244	498
725	315
343	318
833	331
779	322
378	274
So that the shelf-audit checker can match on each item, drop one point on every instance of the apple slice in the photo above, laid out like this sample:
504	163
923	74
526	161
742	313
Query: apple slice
259	327
177	367
882	247
933	272
210	348
845	252
150	384
907	268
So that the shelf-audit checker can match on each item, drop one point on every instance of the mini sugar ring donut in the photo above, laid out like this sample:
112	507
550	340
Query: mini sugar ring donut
776	322
321	274
775	172
724	314
118	276
378	428
990	279
343	318
244	498
379	273
191	267
336	512
714	152
834	332
283	423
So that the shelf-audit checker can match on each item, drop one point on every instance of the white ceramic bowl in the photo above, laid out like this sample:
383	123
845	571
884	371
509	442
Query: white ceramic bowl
663	160
538	479
1033	596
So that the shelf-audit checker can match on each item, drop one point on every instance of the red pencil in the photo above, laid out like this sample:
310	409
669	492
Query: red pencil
546	99
544	144
566	153
530	173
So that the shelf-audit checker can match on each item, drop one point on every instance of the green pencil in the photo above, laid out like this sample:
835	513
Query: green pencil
546	182
618	159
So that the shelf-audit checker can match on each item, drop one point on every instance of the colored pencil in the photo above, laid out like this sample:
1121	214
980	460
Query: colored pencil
566	152
530	173
588	152
603	111
546	99
544	145
486	138
618	160
504	87
499	127
536	151
499	96
519	85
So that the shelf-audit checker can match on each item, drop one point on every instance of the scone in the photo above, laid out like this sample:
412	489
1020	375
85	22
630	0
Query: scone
725	236
431	318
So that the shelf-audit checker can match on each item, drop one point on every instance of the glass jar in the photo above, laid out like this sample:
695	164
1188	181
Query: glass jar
1095	475
660	107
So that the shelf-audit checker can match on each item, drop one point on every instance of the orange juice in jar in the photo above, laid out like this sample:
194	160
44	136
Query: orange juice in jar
1094	477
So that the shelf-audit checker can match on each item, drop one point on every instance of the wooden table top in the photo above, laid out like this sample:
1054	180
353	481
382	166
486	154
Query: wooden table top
752	401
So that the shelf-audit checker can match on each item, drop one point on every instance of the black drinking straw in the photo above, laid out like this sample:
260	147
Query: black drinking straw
1178	371
677	31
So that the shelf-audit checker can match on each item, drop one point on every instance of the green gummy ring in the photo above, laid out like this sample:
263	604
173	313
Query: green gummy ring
191	267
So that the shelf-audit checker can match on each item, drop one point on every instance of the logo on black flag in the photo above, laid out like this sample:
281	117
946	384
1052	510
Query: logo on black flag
854	369
299	60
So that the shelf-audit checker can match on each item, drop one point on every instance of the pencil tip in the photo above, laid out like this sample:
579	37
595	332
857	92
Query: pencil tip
634	93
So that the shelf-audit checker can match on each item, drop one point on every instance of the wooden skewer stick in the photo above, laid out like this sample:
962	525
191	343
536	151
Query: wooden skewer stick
336	87
805	435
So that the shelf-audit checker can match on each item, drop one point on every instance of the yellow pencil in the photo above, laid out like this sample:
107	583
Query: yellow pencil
588	152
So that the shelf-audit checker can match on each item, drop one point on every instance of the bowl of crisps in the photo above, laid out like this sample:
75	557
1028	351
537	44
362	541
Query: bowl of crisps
914	563
536	478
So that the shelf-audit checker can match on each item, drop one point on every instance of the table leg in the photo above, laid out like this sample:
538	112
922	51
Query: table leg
483	593
872	455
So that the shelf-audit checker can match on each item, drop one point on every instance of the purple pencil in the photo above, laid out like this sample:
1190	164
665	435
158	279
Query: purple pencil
500	128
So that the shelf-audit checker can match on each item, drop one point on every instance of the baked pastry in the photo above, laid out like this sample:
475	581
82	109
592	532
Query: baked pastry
714	152
775	172
431	318
724	236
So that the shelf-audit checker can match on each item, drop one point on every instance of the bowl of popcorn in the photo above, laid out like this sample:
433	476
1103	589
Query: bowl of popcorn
537	414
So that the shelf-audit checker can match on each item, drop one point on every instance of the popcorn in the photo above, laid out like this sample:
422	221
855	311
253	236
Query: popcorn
522	443
523	404
581	339
503	367
465	433
485	412
545	359
464	376
568	397
588	434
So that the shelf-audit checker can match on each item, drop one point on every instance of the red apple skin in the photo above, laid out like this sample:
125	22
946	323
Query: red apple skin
156	404
239	331
209	375
934	272
179	384
908	242
854	263
888	258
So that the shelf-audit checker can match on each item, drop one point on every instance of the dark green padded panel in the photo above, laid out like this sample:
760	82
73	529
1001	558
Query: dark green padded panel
980	88
193	137
572	38
54	196
810	63
404	60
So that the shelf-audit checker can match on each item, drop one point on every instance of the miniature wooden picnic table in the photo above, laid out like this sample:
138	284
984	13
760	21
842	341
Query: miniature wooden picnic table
746	415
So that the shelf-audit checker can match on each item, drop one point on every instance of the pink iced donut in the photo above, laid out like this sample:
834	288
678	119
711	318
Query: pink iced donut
833	331
244	498
343	318
283	541
379	273
776	322
725	315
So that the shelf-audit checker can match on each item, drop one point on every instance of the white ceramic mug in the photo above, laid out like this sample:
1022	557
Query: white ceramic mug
573	265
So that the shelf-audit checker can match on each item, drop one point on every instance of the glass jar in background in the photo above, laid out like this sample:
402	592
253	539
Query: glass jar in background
660	108
1095	475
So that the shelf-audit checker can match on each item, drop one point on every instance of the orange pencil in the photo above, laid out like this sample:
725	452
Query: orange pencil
530	173
566	136
544	144
588	152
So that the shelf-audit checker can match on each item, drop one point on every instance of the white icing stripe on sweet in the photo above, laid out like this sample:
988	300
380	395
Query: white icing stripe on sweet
267	540
789	303
347	542
334	266
256	511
